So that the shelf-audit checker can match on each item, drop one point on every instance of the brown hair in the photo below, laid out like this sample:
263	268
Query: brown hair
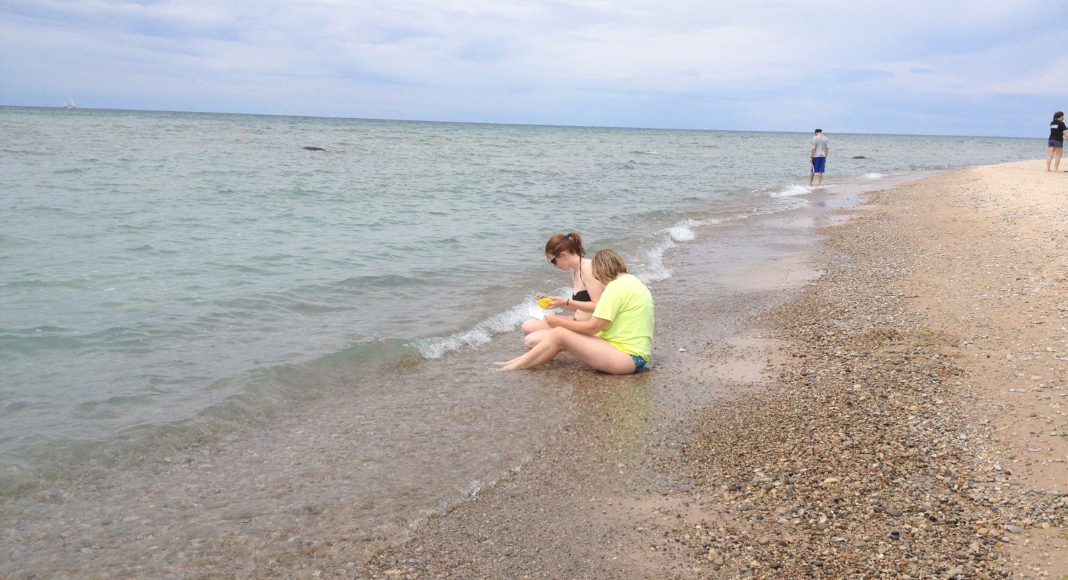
570	242
608	265
1057	115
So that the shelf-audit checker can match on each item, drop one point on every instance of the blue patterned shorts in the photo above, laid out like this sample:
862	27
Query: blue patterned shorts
639	363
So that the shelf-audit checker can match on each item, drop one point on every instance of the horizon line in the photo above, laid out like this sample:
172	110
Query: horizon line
546	125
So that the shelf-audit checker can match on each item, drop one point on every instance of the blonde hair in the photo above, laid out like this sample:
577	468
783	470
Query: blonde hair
608	265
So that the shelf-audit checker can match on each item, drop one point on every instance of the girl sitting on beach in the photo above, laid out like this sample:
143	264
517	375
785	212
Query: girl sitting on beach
617	339
565	251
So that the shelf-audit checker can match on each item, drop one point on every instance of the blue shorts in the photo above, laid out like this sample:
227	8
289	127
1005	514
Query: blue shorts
639	363
1056	144
819	164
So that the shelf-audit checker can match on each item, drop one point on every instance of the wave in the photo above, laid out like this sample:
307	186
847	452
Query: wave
681	233
481	334
792	191
874	175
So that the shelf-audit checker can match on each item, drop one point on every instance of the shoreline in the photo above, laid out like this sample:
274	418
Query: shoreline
640	476
295	495
884	446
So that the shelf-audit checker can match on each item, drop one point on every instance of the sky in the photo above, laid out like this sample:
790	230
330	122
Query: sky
970	67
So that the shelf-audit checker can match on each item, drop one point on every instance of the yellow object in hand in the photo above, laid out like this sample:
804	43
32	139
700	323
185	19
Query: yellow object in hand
545	302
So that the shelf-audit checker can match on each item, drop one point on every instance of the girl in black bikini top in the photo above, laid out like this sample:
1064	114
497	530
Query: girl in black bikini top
565	251
582	295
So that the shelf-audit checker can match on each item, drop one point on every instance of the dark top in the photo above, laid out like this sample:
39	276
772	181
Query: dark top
1056	131
581	295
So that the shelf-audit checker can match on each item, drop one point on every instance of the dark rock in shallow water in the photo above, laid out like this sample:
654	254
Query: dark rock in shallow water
860	157
315	149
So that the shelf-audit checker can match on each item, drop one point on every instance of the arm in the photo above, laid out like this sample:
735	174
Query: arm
590	327
584	306
563	302
812	154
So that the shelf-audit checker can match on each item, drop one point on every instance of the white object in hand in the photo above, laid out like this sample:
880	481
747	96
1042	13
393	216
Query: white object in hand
536	313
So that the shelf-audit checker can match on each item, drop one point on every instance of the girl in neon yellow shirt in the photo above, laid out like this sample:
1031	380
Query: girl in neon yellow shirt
618	339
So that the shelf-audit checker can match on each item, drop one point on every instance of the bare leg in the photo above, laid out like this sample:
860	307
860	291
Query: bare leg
1057	164
811	176
592	350
543	352
535	337
1049	157
821	180
534	325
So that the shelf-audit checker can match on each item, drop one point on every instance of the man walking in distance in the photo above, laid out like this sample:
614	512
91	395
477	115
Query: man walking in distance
818	156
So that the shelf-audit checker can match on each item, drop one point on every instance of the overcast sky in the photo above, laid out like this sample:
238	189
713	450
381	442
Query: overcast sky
982	67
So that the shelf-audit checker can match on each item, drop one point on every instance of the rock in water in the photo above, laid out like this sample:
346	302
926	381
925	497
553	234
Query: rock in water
315	149
860	157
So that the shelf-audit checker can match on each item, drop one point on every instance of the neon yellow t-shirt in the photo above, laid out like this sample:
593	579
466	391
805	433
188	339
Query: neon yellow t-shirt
627	305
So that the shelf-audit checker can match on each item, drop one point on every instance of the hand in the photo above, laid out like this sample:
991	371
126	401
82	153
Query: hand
558	302
552	320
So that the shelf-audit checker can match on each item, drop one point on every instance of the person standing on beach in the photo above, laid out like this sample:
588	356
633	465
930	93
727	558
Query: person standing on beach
818	156
1056	140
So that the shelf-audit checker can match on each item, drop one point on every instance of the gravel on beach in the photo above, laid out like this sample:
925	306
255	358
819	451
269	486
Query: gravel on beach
868	456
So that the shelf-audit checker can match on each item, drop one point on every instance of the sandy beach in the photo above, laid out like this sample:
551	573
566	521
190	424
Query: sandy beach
912	426
869	387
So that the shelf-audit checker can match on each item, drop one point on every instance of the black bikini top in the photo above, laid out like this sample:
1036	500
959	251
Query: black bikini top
581	295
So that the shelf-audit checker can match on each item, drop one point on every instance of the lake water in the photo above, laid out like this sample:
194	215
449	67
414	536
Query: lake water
153	265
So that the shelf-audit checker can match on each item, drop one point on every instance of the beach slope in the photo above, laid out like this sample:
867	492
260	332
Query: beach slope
918	427
913	426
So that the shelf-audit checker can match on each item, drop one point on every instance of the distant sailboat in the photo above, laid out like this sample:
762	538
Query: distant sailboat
69	105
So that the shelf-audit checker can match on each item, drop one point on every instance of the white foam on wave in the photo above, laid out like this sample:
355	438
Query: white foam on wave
654	270
874	175
481	334
681	233
791	191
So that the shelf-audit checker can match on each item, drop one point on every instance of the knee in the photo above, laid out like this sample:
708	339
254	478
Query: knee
529	341
558	335
529	326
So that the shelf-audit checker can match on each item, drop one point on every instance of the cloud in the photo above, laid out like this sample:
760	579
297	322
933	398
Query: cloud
563	61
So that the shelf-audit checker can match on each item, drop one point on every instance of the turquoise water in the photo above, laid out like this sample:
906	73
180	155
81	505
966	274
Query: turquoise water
156	265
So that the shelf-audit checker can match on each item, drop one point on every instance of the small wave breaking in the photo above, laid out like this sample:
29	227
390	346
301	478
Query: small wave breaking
792	191
873	176
654	269
481	334
681	233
